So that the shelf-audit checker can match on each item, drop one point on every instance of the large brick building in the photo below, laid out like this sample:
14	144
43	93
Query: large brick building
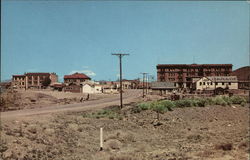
182	74
33	80
243	75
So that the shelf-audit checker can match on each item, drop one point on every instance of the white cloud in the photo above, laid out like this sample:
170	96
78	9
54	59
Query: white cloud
87	72
85	67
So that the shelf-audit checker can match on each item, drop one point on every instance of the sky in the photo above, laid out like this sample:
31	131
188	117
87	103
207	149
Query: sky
79	36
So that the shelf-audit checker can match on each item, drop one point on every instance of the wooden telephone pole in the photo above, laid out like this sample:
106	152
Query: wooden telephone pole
120	55
143	84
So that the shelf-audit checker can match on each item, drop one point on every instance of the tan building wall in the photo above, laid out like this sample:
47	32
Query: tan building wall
33	80
19	81
207	84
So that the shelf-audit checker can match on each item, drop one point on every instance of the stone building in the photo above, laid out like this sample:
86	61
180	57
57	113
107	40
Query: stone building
34	80
182	74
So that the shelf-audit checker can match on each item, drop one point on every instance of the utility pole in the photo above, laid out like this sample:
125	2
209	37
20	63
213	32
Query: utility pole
143	84
120	55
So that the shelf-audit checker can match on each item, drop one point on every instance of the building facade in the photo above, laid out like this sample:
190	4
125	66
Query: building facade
243	75
162	87
182	74
76	78
34	80
214	82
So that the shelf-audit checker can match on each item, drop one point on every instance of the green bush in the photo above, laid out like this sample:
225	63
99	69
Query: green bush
168	104
219	101
238	100
158	107
227	100
200	102
183	103
136	109
144	106
209	101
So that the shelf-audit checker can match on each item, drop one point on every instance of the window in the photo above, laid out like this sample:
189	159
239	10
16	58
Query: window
222	83
211	83
204	83
229	83
200	83
216	83
207	83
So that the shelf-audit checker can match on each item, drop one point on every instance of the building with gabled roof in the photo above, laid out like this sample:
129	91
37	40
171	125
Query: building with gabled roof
214	82
76	78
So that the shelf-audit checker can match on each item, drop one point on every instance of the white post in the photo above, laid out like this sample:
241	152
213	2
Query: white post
101	139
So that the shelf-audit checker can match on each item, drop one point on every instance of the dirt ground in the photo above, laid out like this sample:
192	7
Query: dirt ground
21	99
196	133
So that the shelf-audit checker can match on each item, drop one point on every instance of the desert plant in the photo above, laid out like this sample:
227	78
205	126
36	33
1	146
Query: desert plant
168	104
238	100
183	103
158	107
144	106
227	100
219	101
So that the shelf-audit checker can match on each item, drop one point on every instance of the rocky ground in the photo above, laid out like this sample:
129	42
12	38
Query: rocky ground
214	132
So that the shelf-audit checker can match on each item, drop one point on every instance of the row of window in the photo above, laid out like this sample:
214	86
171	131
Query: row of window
194	69
211	83
74	80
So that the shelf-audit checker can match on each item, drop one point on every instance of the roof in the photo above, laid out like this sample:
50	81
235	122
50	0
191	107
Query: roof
223	78
18	75
193	65
76	76
162	85
37	74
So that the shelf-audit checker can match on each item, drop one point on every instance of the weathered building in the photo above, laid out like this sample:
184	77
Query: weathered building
182	74
162	87
243	75
34	80
214	82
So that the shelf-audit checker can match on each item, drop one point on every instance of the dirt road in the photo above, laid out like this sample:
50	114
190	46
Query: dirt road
128	97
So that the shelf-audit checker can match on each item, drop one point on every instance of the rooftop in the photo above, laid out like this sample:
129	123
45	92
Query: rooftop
162	85
193	65
76	76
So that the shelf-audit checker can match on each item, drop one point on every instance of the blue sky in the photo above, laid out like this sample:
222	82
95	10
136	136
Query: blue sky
67	36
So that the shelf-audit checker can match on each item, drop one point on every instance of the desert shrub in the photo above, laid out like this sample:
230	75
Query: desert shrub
158	107
184	103
219	101
238	100
136	109
200	102
168	104
144	106
209	101
227	100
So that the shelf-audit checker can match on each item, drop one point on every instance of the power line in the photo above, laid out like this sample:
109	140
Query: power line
120	55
